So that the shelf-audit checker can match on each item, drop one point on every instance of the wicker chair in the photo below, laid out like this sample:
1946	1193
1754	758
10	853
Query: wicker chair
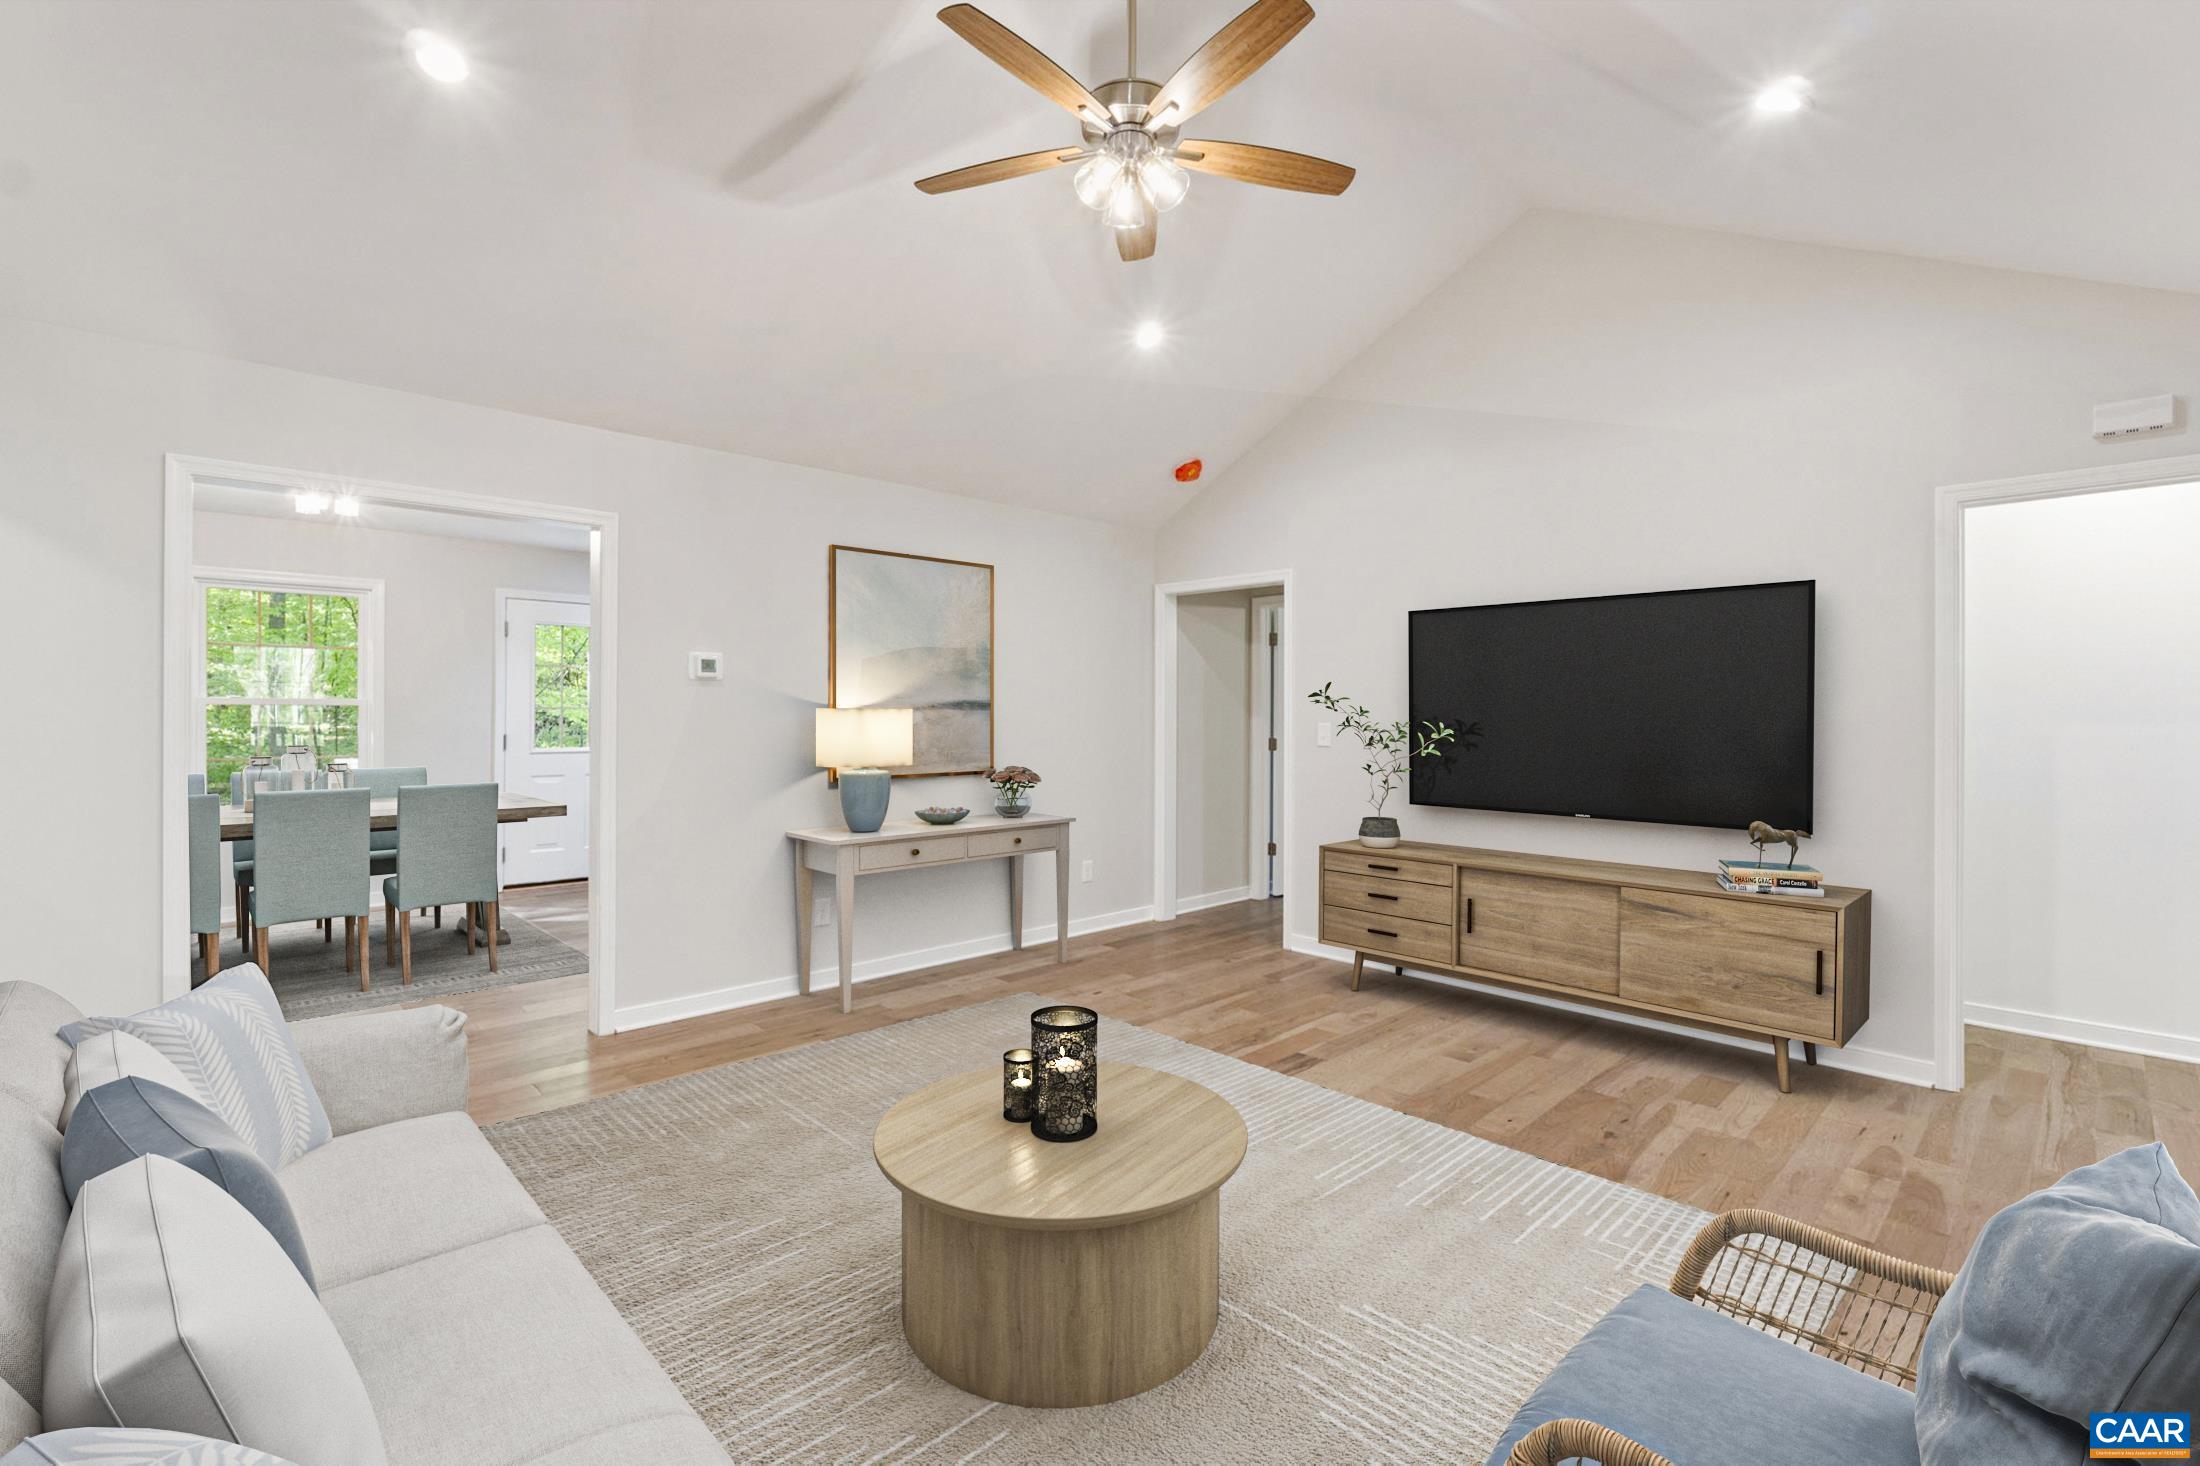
1820	1292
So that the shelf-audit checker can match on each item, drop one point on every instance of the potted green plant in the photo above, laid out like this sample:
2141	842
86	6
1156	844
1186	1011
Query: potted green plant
1012	788
1391	749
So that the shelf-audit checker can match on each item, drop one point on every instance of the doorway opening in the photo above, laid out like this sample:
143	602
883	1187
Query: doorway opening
1222	811
2068	705
328	634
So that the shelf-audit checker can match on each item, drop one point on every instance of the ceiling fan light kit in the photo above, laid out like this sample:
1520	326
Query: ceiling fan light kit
1133	161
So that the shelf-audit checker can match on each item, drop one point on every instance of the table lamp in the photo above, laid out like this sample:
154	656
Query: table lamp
861	744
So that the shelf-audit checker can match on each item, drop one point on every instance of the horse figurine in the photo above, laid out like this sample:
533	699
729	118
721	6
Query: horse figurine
1762	834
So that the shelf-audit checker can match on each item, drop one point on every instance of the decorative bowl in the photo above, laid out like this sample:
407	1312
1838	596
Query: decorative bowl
938	816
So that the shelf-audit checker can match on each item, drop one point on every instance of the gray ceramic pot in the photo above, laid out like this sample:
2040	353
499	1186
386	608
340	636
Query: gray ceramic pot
1378	832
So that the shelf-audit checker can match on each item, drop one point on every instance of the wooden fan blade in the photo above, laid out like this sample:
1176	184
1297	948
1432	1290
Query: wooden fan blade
1270	167
1232	54
1025	62
1136	244
998	169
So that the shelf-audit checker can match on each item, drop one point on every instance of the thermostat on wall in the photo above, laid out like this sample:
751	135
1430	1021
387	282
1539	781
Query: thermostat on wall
706	666
2140	415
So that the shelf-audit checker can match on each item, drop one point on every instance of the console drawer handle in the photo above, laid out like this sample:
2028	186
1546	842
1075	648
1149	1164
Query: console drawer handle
1371	865
916	850
1380	896
1376	931
1821	973
1470	916
1017	841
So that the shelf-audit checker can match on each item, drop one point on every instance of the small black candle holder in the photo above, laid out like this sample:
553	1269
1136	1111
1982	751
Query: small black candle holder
1019	1088
1065	1044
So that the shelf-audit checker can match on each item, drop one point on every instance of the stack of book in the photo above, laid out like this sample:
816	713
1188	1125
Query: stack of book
1770	878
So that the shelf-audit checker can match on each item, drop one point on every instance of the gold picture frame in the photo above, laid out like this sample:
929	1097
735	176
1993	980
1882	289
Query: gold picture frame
903	630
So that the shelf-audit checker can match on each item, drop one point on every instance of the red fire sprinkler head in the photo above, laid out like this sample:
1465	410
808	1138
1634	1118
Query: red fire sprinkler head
1188	471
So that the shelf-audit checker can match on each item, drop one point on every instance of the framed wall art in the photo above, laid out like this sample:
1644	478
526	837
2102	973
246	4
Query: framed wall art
915	631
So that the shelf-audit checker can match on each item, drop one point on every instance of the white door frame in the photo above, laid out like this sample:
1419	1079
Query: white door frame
1952	502
1165	596
1259	790
498	753
180	629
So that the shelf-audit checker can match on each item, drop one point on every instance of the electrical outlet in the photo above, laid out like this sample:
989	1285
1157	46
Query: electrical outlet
822	913
1086	874
1325	733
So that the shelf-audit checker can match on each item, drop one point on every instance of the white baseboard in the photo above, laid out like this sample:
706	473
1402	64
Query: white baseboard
827	977
2084	1031
1876	1062
1188	904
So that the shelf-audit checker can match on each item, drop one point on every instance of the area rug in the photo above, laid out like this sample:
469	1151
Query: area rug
310	980
1392	1289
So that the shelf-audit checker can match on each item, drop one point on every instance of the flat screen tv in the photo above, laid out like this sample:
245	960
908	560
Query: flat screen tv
1685	707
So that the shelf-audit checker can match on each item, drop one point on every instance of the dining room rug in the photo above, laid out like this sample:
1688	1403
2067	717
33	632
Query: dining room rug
1392	1290
310	981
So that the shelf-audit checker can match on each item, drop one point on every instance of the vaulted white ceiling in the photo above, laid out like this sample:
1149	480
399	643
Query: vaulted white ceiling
695	220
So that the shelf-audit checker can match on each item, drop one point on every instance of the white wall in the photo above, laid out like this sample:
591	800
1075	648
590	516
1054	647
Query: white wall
719	552
1595	406
2081	725
439	626
1213	746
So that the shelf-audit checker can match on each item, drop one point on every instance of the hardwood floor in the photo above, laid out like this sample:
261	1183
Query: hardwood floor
1913	1171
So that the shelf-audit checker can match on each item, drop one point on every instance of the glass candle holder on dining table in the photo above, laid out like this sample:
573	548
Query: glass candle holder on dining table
1065	1044
1018	1086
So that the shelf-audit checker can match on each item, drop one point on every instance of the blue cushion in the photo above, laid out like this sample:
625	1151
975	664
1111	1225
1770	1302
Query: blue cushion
2082	1297
131	1117
122	1446
1704	1390
229	1039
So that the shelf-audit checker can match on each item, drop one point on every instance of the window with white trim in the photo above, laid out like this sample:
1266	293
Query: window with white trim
280	668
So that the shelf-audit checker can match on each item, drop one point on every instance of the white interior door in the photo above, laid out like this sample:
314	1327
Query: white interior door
544	741
1266	870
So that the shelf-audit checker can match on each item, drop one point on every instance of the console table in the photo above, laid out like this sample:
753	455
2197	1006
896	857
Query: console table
906	845
1670	944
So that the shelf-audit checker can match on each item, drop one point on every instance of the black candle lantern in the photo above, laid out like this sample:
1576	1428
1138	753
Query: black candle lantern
1018	1086
1065	1044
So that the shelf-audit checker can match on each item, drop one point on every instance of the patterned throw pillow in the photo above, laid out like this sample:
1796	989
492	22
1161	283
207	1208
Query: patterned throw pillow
229	1041
99	1446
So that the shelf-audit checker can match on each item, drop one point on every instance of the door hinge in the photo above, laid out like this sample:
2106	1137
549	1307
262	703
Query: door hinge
1271	847
507	628
507	739
503	854
1271	745
1272	640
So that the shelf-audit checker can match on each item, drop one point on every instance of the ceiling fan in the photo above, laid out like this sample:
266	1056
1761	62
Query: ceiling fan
1133	155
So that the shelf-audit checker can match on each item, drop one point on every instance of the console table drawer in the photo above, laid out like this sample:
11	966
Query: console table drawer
1376	863
1556	931
1748	962
1012	842
1387	896
1363	931
916	852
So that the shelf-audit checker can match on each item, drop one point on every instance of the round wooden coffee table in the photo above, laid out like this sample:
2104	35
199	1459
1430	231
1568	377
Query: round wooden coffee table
1037	1273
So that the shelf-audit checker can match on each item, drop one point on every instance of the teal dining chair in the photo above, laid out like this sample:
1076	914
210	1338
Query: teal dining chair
446	855
204	835
194	783
312	863
384	784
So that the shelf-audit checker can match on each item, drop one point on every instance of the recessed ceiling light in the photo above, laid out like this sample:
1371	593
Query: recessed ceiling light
436	56
345	506
310	503
1788	95
1148	335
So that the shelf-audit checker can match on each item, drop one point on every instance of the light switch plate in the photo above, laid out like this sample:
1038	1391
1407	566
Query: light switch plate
706	666
1325	733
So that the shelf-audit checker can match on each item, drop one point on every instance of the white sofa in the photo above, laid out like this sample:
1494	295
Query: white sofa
481	1338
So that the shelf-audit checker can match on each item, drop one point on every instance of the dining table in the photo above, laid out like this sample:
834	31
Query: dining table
512	809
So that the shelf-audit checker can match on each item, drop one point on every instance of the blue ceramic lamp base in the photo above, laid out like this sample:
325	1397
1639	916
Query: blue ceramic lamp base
863	797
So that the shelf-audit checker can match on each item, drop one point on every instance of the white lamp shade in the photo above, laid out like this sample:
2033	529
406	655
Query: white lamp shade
866	738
